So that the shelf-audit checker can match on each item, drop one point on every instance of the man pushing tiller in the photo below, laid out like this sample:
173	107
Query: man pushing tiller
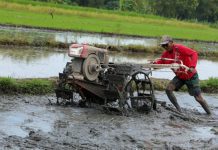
177	53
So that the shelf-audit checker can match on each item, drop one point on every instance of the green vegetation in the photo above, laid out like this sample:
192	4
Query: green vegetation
198	10
210	85
93	20
26	86
44	86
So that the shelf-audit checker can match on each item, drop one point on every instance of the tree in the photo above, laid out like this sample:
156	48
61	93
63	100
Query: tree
96	3
185	9
82	2
112	4
181	9
121	3
207	10
133	5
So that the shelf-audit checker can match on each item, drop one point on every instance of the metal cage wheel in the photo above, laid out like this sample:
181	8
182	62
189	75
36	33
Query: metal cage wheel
139	92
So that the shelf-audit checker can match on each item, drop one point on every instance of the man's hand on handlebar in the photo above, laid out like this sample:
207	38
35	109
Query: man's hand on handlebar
191	69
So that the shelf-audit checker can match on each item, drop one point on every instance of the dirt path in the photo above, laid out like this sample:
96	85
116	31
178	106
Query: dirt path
27	122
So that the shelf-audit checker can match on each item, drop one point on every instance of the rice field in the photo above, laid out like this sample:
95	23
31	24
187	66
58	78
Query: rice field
56	16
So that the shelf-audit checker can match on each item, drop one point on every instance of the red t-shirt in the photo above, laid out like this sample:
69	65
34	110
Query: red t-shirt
187	55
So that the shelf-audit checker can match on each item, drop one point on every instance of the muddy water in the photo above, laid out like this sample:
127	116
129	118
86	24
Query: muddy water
34	63
27	122
18	122
188	101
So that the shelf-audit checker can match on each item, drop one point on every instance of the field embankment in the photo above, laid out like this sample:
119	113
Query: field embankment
19	40
45	86
35	14
26	86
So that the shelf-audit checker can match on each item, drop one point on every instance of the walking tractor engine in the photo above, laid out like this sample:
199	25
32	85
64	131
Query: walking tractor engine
92	79
86	60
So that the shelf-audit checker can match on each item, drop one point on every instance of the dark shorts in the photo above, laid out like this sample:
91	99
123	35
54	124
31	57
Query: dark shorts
192	84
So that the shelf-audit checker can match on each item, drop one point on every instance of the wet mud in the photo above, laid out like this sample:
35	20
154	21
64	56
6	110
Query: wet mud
30	122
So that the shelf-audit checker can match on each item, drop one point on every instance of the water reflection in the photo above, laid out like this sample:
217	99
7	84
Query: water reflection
103	39
37	62
28	55
31	63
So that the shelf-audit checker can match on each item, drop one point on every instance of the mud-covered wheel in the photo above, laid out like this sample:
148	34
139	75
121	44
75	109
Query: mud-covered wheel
90	67
68	68
65	90
139	92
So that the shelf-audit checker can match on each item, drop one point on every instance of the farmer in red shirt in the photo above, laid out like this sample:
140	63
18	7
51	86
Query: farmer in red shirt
187	56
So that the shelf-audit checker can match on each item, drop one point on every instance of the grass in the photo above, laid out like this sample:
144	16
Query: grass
210	85
45	86
26	86
103	21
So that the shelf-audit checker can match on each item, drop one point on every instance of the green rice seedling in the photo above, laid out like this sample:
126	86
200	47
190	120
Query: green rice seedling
35	86
7	85
94	20
210	85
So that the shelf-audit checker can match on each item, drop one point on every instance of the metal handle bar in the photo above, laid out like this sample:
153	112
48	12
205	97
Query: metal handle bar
172	66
